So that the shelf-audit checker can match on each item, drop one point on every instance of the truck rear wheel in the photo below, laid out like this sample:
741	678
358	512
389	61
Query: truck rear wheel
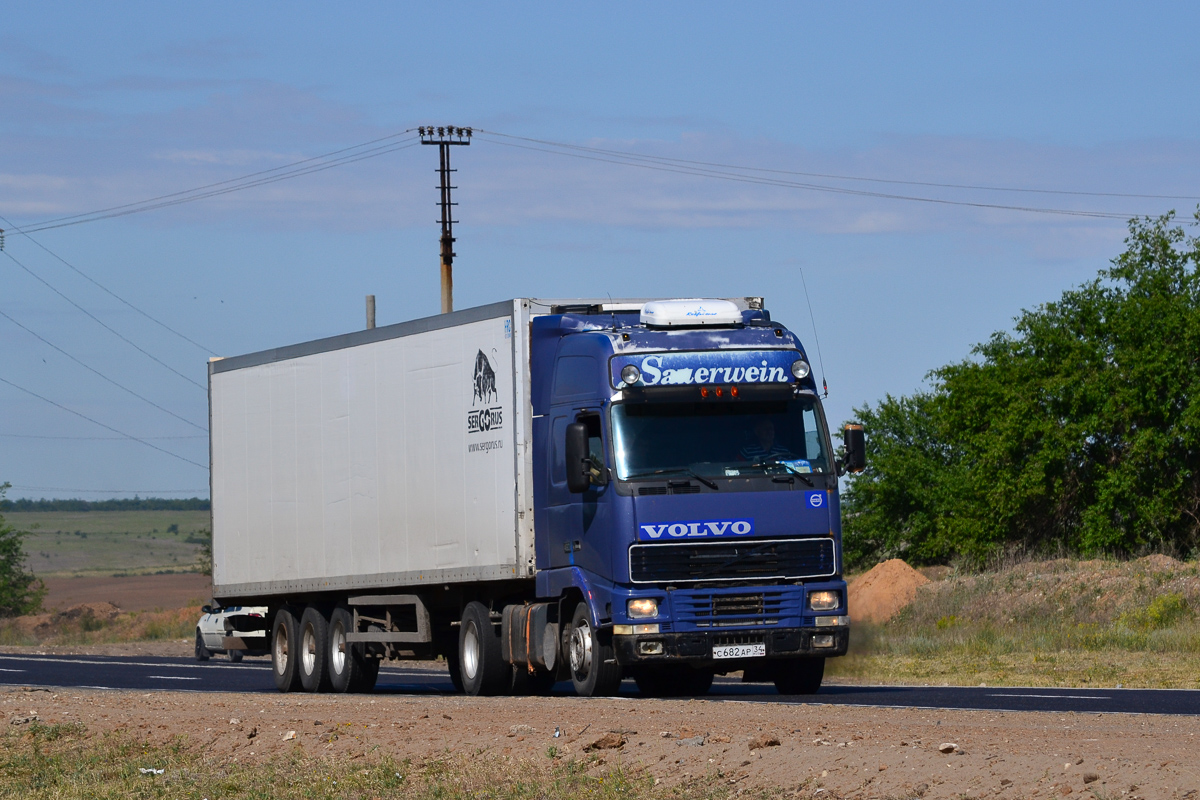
284	651
594	668
799	675
480	661
345	660
314	649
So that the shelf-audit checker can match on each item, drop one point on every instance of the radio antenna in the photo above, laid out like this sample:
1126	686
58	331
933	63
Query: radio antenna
812	318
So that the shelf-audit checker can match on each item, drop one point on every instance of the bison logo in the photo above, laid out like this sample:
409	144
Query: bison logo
485	380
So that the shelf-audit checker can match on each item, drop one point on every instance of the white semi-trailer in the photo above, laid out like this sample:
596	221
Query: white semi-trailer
530	490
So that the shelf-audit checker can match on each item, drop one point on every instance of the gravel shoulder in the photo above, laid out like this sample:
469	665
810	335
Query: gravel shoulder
809	750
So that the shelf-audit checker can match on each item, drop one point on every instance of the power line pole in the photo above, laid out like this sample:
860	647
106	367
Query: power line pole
444	137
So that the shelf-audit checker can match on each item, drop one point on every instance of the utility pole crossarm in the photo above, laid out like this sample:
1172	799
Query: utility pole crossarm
444	137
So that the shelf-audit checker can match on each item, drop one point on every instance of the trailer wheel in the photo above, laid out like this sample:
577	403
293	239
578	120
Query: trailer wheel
677	680
345	660
285	651
799	675
365	680
594	668
455	670
314	647
202	652
481	663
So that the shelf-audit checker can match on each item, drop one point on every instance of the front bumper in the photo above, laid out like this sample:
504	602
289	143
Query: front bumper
696	647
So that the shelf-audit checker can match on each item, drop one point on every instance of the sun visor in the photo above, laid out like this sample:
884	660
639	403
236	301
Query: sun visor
690	313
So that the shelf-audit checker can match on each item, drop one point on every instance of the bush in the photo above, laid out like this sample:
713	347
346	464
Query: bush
1076	432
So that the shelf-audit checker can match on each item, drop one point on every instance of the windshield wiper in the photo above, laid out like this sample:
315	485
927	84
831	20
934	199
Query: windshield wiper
781	461
709	483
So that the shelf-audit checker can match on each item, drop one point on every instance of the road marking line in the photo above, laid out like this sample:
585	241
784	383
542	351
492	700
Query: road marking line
44	659
1054	696
11	670
171	678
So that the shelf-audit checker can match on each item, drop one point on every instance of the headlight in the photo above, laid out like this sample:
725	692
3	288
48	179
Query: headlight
630	374
642	607
823	601
800	369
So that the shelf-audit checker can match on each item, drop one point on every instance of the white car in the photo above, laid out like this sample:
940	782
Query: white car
246	623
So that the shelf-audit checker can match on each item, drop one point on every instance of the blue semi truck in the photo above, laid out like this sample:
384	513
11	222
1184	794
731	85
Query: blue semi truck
535	491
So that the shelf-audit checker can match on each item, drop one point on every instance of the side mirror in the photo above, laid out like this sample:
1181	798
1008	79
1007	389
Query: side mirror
578	475
206	609
855	445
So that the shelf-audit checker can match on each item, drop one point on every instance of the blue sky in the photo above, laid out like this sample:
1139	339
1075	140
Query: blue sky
105	105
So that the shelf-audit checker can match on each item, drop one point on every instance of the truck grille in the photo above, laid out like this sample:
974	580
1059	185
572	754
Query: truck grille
734	610
727	561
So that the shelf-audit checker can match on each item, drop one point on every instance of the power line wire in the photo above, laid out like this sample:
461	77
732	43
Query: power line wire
710	173
108	291
94	371
101	424
237	185
104	325
978	187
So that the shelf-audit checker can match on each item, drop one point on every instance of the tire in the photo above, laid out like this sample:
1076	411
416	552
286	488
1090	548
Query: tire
677	680
593	663
799	675
364	682
284	651
536	683
345	660
235	656
202	652
481	664
313	663
455	670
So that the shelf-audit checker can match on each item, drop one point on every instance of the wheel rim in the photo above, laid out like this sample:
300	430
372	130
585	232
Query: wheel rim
308	650
581	649
470	653
337	648
281	649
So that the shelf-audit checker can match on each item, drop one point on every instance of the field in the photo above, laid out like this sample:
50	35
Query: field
1062	622
104	543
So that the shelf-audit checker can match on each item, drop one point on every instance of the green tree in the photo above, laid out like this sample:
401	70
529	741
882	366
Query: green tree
1079	429
20	591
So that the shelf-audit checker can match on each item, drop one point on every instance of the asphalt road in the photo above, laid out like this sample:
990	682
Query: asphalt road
253	675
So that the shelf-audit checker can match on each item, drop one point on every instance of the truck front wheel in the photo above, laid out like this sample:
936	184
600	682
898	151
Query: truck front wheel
480	660
799	675
594	668
284	651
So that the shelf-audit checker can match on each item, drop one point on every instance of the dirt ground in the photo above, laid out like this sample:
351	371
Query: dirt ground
134	593
812	750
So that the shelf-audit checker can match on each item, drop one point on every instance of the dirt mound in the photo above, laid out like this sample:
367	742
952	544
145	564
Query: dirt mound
1160	563
881	592
105	611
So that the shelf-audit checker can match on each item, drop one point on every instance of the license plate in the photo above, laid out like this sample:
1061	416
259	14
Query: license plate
739	650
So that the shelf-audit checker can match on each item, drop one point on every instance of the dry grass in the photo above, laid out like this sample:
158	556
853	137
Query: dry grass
1050	623
100	627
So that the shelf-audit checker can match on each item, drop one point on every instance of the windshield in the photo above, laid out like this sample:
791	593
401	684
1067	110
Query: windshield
719	439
